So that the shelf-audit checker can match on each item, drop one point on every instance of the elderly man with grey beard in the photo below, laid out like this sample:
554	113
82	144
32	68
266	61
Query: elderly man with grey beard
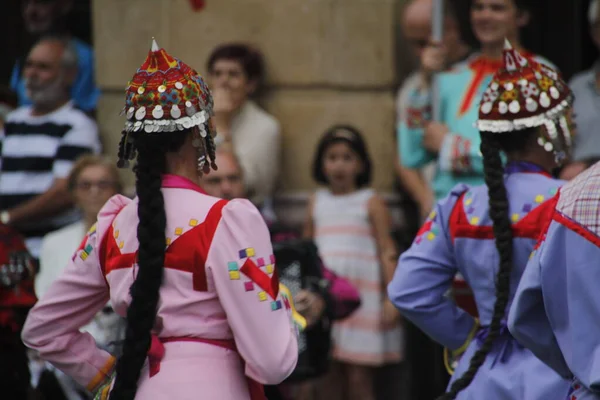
43	17
38	146
40	143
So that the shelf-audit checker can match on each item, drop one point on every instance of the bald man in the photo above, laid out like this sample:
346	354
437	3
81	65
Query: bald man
416	26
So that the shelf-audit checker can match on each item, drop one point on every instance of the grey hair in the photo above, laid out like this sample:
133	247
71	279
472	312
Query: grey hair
69	61
593	12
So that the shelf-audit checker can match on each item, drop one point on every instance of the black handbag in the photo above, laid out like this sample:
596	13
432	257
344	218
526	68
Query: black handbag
299	267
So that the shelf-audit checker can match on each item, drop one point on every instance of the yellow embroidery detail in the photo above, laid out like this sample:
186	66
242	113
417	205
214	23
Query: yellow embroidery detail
121	244
269	269
83	255
432	215
234	275
178	231
474	220
262	296
102	374
470	337
468	202
296	317
449	367
430	236
539	198
92	229
168	241
116	234
515	217
193	222
250	252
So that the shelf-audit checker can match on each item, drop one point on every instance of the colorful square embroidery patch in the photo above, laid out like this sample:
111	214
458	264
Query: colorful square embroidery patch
429	230
260	274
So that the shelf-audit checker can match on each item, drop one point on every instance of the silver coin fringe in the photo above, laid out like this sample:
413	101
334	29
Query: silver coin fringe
500	126
198	119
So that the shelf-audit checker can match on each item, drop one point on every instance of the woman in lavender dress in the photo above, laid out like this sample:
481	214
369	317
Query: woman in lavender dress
486	233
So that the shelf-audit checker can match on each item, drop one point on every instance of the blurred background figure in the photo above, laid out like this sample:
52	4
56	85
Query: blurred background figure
433	58
586	87
453	140
351	226
48	17
236	73
93	180
228	181
40	144
8	102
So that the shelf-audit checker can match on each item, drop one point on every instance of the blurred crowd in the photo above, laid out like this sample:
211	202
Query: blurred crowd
54	180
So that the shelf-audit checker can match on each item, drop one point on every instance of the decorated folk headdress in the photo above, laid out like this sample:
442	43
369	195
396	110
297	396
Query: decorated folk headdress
166	95
525	94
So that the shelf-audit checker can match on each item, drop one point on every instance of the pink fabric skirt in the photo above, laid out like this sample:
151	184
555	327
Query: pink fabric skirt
190	371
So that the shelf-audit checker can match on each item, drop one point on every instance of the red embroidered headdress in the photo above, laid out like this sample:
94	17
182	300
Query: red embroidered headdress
523	94
165	94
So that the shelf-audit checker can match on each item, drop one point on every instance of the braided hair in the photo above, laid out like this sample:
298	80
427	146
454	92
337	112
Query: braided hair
149	150
491	145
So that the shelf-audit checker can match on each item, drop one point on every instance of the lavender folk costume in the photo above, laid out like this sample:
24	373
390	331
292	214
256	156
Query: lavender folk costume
460	237
557	304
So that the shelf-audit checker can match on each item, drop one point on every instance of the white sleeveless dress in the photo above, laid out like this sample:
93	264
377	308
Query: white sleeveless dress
347	246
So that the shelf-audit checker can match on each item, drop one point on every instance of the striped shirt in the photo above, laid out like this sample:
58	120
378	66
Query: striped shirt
34	151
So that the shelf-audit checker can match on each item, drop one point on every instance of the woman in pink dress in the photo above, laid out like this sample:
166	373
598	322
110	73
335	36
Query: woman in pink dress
193	274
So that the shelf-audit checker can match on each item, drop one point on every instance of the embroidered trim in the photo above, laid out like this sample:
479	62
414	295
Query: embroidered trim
103	374
529	226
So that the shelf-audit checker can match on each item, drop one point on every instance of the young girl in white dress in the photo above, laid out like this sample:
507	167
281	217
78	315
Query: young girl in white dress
350	224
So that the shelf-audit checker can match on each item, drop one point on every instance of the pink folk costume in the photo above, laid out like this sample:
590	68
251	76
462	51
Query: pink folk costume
220	317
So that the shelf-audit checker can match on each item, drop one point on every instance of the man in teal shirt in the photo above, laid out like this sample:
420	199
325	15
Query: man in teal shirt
454	141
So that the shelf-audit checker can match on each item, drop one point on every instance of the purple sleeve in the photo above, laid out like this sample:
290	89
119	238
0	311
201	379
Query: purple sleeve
425	273
562	331
527	319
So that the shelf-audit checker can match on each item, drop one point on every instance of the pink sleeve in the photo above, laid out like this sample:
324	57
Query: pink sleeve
240	261
52	326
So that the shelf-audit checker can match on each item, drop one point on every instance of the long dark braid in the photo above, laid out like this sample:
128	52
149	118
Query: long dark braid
150	150
499	213
151	254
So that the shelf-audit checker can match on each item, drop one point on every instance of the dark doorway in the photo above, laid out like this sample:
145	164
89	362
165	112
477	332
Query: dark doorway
558	31
14	41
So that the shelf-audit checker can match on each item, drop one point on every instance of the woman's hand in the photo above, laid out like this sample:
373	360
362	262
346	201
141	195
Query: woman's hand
223	108
310	305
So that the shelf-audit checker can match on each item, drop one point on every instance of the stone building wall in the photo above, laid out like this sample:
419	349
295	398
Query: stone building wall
328	61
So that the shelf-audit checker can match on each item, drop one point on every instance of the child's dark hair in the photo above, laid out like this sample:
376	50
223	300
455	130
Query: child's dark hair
491	145
249	57
141	314
353	138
